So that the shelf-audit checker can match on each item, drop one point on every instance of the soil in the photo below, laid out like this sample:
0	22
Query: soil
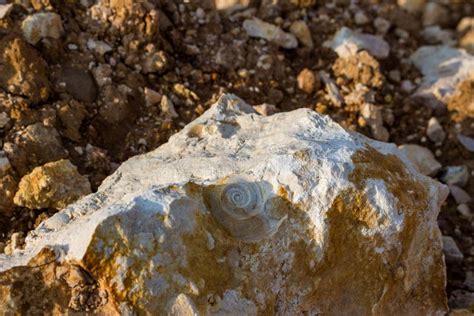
126	75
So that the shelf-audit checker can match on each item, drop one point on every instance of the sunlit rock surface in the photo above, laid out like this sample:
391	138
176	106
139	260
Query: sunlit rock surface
243	214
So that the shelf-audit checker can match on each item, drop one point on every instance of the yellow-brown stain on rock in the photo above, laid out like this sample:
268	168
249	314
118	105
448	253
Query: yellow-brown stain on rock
352	278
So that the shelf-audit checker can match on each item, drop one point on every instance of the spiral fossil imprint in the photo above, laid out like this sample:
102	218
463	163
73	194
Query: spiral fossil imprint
246	210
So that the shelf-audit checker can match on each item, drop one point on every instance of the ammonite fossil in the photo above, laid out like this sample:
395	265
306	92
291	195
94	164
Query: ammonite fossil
247	210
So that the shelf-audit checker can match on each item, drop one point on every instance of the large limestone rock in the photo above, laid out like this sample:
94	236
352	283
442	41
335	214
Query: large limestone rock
241	214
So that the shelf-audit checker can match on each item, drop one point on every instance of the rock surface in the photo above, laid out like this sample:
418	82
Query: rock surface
242	214
42	25
443	69
55	185
423	158
37	144
272	33
23	71
347	43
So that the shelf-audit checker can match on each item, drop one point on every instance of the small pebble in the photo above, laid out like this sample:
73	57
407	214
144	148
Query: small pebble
451	250
435	131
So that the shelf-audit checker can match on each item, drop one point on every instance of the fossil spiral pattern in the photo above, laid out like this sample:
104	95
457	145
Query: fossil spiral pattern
244	209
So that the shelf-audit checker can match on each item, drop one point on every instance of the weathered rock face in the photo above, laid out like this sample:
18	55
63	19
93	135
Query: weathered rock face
241	214
53	185
443	68
23	71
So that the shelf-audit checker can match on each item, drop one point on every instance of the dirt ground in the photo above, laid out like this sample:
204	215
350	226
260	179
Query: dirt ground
121	76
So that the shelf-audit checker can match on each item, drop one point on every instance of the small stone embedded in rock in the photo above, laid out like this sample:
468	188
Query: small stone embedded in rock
467	142
423	158
462	299
42	25
8	187
272	33
435	13
154	62
266	109
436	35
459	195
79	83
5	9
23	71
360	18
152	97
4	164
308	81
4	119
100	47
332	89
465	211
381	25
451	250
242	214
71	115
469	281
373	116
53	185
435	131
35	145
455	175
231	5
167	107
347	42
301	30
412	6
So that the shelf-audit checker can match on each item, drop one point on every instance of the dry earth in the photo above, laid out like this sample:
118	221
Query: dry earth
84	85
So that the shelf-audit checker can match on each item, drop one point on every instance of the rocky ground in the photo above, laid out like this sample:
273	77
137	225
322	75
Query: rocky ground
84	85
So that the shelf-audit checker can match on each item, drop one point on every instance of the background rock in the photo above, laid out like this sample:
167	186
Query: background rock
55	185
24	72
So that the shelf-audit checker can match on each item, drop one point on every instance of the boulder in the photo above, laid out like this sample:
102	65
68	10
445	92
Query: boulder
243	214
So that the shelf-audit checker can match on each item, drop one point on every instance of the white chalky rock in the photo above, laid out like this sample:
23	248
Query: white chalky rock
42	25
272	33
242	214
443	68
347	42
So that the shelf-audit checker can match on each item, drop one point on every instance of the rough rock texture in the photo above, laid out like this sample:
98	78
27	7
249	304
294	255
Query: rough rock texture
42	25
37	144
443	68
258	28
360	67
242	214
22	70
56	185
347	43
423	158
